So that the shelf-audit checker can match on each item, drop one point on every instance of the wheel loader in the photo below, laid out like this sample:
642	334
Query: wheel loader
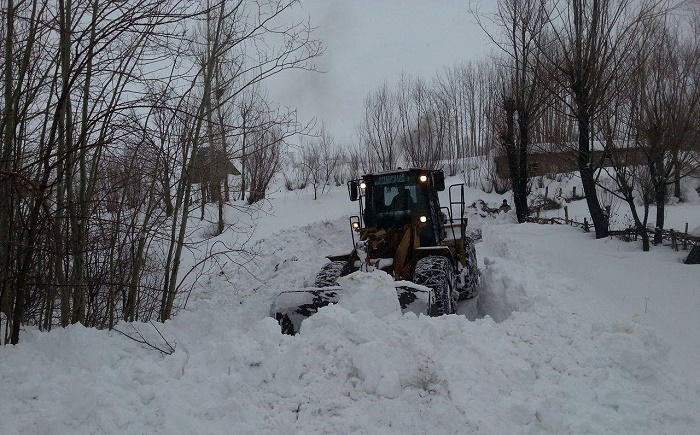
402	230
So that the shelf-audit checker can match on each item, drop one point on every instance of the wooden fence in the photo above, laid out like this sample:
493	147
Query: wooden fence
675	239
558	220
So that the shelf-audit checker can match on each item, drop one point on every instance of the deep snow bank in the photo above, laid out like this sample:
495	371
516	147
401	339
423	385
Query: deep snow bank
529	365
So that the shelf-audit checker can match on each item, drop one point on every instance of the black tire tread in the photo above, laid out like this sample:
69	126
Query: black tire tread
329	274
437	273
470	289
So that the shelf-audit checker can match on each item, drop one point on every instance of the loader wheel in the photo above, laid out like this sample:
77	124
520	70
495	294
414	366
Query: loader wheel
437	273
471	274
329	273
286	325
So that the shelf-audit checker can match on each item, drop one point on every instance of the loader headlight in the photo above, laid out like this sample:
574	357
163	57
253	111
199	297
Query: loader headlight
423	219
423	178
355	225
363	185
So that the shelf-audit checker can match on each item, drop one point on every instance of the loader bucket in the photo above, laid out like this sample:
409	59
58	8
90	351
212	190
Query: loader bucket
290	308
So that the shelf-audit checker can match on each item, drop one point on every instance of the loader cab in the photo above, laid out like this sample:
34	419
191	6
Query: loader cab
394	199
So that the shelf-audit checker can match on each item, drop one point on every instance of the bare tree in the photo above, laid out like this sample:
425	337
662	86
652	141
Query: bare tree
467	94
380	128
248	112
669	105
321	160
259	123
362	158
423	124
312	164
631	179
522	92
590	44
264	161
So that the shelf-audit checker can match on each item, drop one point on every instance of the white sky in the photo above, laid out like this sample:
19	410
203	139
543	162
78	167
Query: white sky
369	42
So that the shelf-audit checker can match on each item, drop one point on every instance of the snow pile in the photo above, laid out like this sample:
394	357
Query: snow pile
373	292
505	294
562	343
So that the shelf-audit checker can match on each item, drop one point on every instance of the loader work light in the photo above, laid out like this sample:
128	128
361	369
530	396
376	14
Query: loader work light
423	219
423	178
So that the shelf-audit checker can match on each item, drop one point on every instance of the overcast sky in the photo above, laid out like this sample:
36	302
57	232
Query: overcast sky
369	42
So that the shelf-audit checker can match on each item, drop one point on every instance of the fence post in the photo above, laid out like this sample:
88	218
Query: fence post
674	245
574	194
585	225
566	214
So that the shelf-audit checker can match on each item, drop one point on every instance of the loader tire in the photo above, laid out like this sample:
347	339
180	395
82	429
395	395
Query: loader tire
471	274
437	273
329	273
286	325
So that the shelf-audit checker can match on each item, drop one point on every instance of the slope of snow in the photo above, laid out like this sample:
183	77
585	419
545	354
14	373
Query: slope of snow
569	335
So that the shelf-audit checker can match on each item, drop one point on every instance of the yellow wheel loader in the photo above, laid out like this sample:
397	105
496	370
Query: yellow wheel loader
402	230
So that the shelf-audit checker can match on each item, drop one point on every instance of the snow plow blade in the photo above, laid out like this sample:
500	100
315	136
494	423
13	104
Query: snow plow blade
290	308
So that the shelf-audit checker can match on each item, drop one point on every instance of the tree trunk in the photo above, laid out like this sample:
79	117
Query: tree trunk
65	128
220	227
6	206
520	191
516	156
600	221
657	172
677	177
638	224
660	198
244	115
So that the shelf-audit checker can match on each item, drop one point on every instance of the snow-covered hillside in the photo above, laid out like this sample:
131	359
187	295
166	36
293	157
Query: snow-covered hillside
569	335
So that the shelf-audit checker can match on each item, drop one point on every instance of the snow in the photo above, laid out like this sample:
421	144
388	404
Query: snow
371	291
569	335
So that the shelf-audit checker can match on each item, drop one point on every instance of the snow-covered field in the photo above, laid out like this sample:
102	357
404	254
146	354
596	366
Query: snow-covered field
569	335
